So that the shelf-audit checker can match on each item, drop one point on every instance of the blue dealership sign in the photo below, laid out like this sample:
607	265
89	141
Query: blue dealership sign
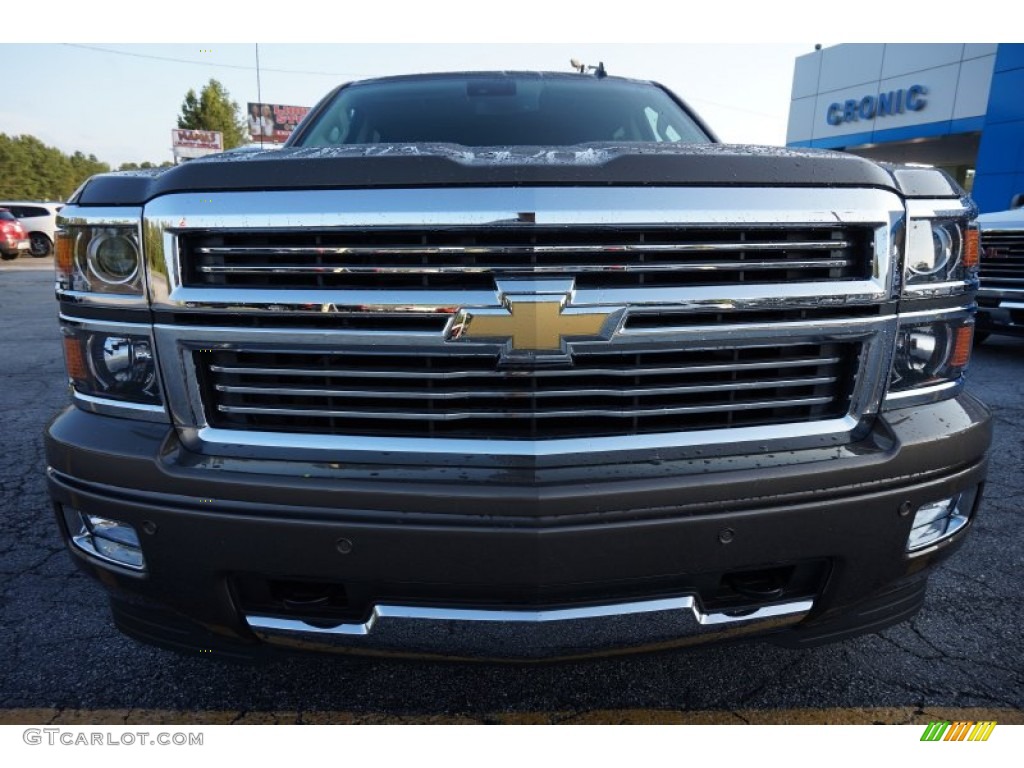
869	107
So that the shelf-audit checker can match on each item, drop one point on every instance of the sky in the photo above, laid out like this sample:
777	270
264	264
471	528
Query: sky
111	79
120	102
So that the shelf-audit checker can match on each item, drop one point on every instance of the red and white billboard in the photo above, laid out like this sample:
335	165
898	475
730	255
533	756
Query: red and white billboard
273	123
189	143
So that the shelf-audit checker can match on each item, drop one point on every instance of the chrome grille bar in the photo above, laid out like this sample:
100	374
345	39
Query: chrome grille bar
525	394
514	374
527	250
532	269
547	414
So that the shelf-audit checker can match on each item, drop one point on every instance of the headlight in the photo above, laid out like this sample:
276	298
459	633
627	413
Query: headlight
113	257
940	251
99	260
936	261
117	366
931	353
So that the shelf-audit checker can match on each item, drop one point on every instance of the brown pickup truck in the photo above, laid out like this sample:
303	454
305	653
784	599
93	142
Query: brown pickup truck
515	365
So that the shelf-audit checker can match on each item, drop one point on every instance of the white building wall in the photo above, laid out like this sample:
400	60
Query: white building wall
956	75
844	66
972	90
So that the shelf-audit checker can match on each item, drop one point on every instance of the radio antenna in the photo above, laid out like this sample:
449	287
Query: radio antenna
259	91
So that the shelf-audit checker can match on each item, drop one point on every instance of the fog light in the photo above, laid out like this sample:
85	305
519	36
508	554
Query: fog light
110	540
941	519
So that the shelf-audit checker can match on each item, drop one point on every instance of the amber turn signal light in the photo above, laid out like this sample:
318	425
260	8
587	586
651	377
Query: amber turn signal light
65	255
972	247
962	341
74	359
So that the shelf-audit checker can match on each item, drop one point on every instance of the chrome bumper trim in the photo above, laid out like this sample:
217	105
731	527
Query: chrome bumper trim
713	442
528	635
923	395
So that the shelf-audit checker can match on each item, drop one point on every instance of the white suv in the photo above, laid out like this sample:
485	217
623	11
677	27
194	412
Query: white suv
39	220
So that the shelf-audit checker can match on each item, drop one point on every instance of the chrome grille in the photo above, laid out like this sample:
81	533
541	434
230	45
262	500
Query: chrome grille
473	257
413	393
1002	260
355	286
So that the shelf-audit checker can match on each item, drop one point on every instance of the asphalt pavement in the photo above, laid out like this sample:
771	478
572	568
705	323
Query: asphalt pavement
61	660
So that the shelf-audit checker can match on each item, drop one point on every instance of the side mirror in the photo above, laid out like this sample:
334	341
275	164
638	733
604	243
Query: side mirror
1017	201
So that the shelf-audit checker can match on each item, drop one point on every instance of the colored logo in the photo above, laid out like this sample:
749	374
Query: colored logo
943	730
531	324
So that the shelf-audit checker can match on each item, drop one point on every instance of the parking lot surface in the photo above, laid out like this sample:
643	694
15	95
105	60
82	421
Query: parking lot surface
61	660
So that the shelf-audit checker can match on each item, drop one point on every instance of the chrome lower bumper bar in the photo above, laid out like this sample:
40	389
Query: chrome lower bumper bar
528	635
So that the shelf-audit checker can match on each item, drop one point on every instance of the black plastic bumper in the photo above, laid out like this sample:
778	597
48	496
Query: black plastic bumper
328	543
1003	316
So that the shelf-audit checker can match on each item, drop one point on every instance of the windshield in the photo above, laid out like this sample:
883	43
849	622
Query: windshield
500	110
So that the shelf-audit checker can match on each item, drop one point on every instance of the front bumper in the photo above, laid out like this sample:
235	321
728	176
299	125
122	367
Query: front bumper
14	248
516	563
1001	312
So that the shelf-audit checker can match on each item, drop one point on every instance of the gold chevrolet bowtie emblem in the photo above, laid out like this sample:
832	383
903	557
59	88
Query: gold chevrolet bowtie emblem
531	326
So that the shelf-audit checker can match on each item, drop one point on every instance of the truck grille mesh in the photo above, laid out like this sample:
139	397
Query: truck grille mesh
1002	260
471	258
409	393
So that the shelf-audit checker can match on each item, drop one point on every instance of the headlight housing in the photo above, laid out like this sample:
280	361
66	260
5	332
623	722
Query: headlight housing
931	355
111	364
101	273
940	250
100	259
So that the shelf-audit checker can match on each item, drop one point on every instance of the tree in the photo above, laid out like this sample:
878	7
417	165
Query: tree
213	110
144	166
30	170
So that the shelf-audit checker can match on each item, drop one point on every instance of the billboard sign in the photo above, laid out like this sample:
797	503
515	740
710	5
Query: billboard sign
273	123
188	143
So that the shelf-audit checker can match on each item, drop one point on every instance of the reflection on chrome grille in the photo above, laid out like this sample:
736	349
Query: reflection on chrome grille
1002	260
468	258
409	393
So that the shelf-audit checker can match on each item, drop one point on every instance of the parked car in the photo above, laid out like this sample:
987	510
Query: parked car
1001	293
13	237
39	220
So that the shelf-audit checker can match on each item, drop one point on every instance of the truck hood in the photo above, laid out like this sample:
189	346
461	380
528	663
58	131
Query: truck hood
447	165
1011	219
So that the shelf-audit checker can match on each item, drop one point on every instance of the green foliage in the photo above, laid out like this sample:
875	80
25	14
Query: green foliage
144	166
30	170
213	110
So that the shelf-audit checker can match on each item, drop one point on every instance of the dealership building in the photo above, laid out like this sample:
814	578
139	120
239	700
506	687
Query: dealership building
957	106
